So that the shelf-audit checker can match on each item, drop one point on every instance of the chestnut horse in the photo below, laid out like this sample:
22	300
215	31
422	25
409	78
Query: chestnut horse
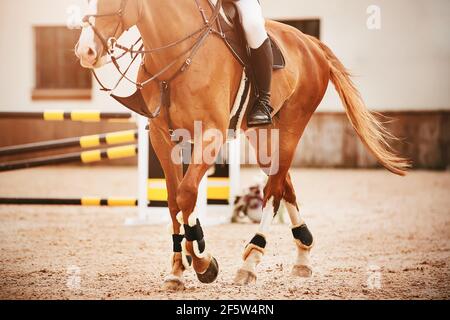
206	92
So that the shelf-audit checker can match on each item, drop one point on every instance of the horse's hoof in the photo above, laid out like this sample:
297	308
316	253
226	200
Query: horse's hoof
244	277
301	271
210	275
173	283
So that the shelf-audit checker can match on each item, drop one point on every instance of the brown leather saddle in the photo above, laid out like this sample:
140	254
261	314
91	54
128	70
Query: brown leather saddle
235	38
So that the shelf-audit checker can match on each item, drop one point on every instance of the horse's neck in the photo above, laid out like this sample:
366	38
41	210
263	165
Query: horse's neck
164	22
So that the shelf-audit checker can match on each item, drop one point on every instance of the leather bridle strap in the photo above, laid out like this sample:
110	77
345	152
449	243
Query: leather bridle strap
173	44
108	45
119	14
111	43
207	30
115	60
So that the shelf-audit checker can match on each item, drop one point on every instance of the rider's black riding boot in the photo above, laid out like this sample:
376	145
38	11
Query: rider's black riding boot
262	65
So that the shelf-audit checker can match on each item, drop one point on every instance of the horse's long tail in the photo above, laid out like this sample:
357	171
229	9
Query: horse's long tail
370	130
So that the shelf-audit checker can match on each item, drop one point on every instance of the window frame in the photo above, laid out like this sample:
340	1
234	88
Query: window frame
309	19
48	93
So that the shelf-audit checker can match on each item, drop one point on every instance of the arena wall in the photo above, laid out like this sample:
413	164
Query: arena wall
401	70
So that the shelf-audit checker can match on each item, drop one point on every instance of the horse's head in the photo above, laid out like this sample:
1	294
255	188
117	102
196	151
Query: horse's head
105	21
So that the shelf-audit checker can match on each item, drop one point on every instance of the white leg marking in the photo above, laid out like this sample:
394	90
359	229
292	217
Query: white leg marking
192	219
253	259
247	273
294	215
267	217
302	267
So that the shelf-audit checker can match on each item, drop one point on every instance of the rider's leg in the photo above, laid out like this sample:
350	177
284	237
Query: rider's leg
261	59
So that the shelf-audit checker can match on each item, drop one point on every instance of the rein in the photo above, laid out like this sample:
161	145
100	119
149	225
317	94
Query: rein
111	44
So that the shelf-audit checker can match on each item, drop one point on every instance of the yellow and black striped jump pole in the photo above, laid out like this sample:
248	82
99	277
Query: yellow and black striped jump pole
90	141
84	157
85	202
75	115
218	190
219	185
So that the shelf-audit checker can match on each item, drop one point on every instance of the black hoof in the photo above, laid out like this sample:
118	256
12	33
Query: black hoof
210	275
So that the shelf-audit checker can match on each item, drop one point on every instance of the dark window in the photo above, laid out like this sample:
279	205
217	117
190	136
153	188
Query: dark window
58	72
308	26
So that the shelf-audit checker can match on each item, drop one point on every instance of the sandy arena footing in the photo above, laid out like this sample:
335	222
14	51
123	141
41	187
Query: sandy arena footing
377	236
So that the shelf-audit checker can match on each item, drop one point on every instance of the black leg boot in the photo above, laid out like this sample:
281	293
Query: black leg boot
262	65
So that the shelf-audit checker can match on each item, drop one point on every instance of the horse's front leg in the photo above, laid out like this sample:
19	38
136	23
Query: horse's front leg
173	173
204	155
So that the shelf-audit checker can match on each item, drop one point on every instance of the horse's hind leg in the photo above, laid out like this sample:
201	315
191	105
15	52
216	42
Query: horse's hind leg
255	249
302	236
291	124
280	158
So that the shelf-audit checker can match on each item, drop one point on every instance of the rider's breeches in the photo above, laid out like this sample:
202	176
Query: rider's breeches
253	22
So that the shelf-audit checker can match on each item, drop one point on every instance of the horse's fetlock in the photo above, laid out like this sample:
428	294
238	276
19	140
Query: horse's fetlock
257	243
194	234
303	236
